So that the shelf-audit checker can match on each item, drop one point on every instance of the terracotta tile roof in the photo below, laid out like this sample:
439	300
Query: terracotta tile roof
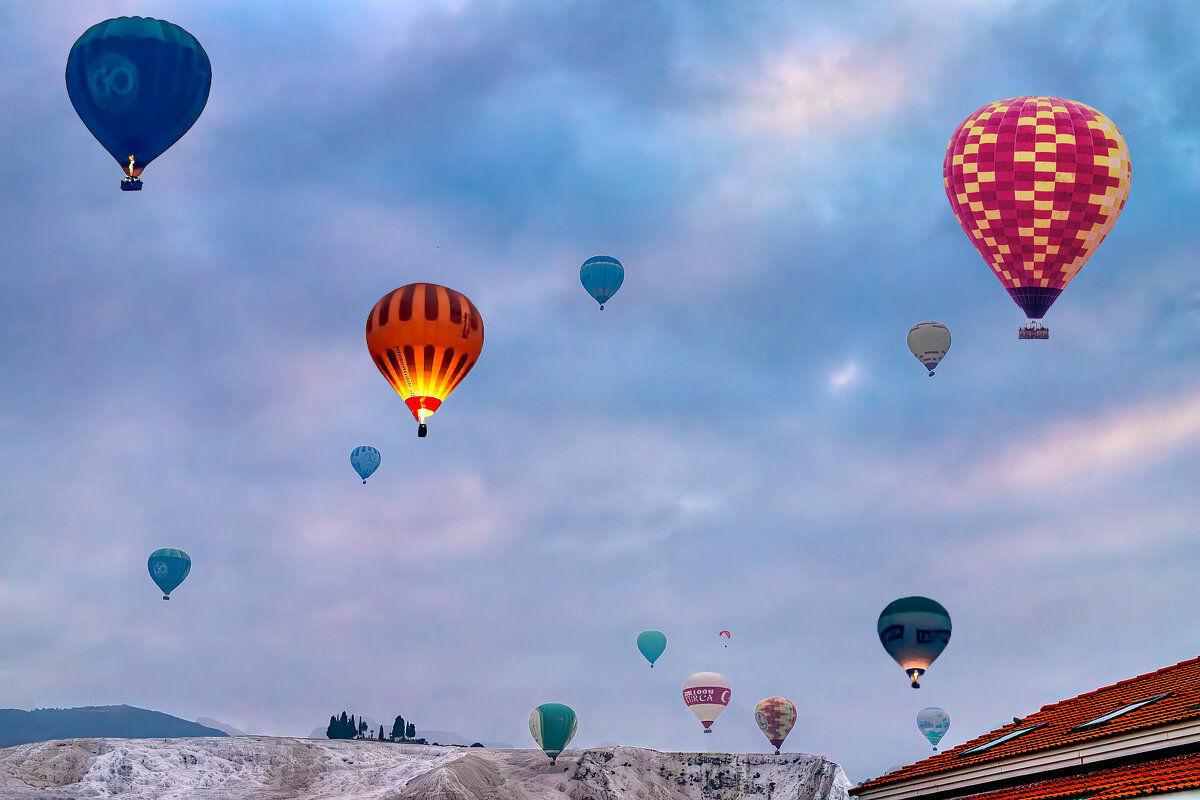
1181	681
1137	780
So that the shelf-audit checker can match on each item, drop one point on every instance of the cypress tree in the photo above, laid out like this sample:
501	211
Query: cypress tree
398	729
411	731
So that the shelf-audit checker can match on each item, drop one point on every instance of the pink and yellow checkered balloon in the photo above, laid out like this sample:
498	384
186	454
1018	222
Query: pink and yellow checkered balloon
1037	183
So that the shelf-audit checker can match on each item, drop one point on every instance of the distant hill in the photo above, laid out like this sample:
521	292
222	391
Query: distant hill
93	722
209	722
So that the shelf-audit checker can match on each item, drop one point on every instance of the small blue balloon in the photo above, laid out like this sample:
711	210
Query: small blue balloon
365	461
168	567
602	276
652	644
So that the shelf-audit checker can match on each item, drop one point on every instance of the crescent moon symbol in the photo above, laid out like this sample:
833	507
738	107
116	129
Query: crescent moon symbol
725	697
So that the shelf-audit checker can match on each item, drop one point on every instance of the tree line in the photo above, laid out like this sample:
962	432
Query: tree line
344	727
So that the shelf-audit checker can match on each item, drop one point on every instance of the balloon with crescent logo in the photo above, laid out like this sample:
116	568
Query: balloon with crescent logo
424	338
602	276
365	461
138	84
933	724
914	631
652	644
929	342
168	567
553	725
1036	183
775	717
706	694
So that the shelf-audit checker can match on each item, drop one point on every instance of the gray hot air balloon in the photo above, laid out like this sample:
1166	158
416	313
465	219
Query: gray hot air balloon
914	631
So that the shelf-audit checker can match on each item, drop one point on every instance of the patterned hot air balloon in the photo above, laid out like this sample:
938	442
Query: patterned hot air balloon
138	84
424	338
706	695
914	631
602	276
1036	183
652	644
553	726
168	567
365	461
929	342
933	724
775	717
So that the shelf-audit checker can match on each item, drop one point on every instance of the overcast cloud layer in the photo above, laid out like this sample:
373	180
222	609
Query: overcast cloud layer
740	440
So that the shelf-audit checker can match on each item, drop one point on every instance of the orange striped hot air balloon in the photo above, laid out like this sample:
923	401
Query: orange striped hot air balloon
1036	183
424	338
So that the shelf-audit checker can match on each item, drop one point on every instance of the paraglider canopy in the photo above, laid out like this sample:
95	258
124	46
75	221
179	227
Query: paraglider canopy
652	644
914	631
724	635
138	84
553	725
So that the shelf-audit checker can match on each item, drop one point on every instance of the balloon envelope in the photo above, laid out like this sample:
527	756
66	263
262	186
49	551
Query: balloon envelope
775	717
929	342
138	84
652	644
602	276
914	631
424	339
365	461
706	694
553	726
933	724
1036	183
168	567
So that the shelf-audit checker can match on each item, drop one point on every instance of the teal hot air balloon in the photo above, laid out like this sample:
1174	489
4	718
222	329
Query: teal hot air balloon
602	276
914	631
138	84
553	726
168	567
933	724
652	644
365	461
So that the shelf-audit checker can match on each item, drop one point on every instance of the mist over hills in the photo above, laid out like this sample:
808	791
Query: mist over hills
118	722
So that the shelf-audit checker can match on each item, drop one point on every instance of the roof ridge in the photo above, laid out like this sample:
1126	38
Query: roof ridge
1125	682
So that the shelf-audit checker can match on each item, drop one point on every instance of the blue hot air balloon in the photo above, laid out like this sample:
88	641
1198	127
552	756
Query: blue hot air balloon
365	461
652	644
168	567
138	84
933	724
602	276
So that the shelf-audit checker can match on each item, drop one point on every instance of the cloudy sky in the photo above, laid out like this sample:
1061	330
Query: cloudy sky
740	440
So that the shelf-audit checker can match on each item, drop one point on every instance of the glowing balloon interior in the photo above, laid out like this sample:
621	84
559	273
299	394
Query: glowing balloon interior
138	84
168	567
424	339
553	725
706	694
929	342
914	631
1036	183
775	717
652	644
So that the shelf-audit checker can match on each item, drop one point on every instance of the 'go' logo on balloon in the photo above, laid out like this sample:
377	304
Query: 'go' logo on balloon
114	82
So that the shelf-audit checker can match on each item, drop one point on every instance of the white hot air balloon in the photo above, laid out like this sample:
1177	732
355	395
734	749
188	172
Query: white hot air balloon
706	695
929	342
933	724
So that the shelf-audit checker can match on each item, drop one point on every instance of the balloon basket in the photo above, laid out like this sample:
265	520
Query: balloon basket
131	184
165	597
422	431
708	730
1033	331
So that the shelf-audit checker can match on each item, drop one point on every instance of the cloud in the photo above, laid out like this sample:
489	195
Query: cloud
845	376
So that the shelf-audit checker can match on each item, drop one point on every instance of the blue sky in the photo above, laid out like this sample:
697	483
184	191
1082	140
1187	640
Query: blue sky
740	440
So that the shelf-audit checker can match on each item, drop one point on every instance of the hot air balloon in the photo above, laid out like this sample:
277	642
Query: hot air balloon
138	84
168	567
602	276
706	695
933	724
365	461
914	631
424	338
652	644
775	717
929	342
553	726
1036	183
724	634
